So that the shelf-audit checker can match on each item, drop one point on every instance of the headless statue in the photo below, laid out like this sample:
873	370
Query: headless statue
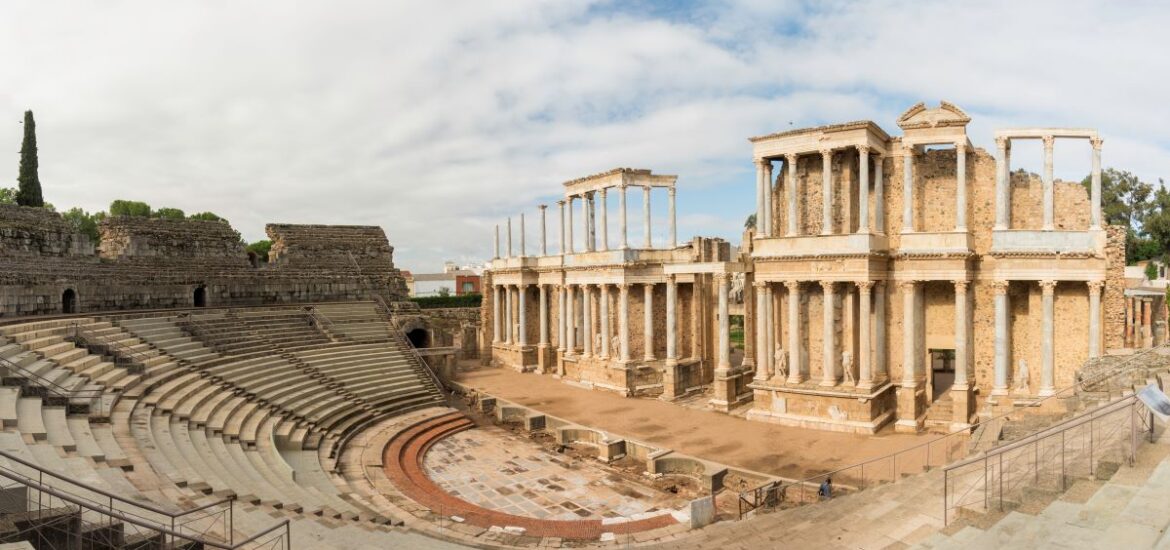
1022	377
781	363
847	366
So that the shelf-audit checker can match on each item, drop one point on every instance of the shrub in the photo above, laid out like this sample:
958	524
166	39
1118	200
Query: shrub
129	208
434	302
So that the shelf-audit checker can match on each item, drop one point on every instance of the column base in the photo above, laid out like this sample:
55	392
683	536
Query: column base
1047	392
828	383
999	391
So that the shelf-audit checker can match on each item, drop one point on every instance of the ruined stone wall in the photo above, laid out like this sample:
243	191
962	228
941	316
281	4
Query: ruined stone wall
37	232
1071	203
1113	298
359	251
175	242
458	327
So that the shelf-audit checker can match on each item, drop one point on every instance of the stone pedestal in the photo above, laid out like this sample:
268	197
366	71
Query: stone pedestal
911	409
725	387
670	382
809	405
964	406
517	357
546	359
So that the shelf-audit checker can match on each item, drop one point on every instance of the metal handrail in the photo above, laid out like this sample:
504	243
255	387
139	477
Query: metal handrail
1120	369
52	387
117	348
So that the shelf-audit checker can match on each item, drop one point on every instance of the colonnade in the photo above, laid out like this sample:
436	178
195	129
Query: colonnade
1003	181
765	220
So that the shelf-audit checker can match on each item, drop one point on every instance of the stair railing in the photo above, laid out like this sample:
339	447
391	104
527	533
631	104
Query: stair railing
123	354
54	389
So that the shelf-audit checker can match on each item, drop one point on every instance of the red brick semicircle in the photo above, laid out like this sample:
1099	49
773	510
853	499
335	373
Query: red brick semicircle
403	457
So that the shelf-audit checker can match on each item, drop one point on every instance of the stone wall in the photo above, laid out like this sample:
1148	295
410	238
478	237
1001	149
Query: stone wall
36	232
358	251
176	242
1113	300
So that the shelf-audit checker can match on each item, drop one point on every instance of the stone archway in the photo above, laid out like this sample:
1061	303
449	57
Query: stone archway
69	301
419	337
200	297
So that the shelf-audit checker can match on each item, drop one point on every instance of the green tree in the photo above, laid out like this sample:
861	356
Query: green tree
260	249
1155	241
29	183
169	213
1125	200
84	222
206	216
7	195
129	208
750	222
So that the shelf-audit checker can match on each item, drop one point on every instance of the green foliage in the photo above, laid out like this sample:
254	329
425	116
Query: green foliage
7	195
169	213
1151	271
444	291
260	249
28	181
432	302
206	216
130	208
84	222
750	222
1126	201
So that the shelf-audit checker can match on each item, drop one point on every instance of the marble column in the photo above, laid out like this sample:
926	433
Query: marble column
622	216
1047	337
761	204
770	330
624	320
561	312
863	189
496	247
879	195
1095	186
671	321
522	313
587	320
604	219
543	314
569	224
508	326
1002	333
648	320
509	237
523	247
1049	199
795	368
790	190
826	192
585	222
881	372
829	337
1095	318
561	207
762	349
768	225
603	313
1003	198
646	216
724	362
962	328
909	333
673	219
864	340
961	187
570	320
543	230
907	188
497	326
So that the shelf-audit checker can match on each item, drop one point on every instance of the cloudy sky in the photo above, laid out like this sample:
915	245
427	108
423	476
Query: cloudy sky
437	120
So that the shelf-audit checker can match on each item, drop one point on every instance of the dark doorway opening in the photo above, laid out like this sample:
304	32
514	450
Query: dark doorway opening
942	372
69	301
419	338
200	297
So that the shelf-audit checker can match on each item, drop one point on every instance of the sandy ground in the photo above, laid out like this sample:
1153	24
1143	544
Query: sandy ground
769	448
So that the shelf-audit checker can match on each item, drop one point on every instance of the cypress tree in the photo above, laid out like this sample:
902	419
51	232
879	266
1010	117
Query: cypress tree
28	192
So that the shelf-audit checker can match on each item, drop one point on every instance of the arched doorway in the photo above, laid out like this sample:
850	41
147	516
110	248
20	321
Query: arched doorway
200	299
69	301
419	338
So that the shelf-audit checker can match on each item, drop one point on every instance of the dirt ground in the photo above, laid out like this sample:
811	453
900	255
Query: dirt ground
769	448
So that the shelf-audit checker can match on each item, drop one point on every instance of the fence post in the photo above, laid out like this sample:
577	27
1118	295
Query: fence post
1132	434
1000	482
1092	465
946	479
1062	487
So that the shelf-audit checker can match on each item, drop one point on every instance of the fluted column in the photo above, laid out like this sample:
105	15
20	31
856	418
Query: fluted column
1047	336
570	320
767	198
1095	186
497	325
496	244
523	247
909	334
790	191
864	341
508	313
624	319
761	203
1002	332
585	222
962	327
961	187
648	320
1003	198
561	313
770	330
622	208
724	362
826	192
604	219
603	308
543	314
646	216
587	320
1095	318
569	223
795	370
1049	202
879	195
863	190
509	237
543	230
881	371
673	219
522	313
671	321
907	188
762	350
561	219
829	352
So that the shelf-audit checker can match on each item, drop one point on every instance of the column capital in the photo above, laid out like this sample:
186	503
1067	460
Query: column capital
649	285
1001	143
961	147
624	287
1000	287
863	149
961	285
907	150
763	163
907	286
790	158
792	285
759	284
670	191
1049	140
721	277
1048	286
542	206
865	287
560	203
1096	286
1096	143
671	278
827	286
826	152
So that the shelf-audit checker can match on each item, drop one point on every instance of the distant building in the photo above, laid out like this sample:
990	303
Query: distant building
456	281
1146	314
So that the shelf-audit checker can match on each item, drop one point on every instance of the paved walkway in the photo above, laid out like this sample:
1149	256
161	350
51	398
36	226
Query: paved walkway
770	448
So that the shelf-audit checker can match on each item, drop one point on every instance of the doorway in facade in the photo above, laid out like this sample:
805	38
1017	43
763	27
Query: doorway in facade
200	298
419	338
69	301
942	372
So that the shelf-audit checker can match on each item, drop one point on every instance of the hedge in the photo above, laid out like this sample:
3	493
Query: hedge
432	302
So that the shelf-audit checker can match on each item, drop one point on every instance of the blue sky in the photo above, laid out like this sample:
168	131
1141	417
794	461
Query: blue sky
439	120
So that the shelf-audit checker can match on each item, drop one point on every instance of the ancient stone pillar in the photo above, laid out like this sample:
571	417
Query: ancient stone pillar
909	333
1002	333
570	319
790	190
523	248
1049	201
561	220
673	220
907	188
881	372
508	314
724	362
829	353
622	208
497	325
1003	198
561	312
762	349
1047	337
795	366
1095	186
863	190
1095	318
543	314
761	203
865	342
509	237
569	224
961	187
962	327
879	195
826	192
496	244
646	215
543	230
585	222
770	330
604	220
522	313
586	321
604	315
624	319
767	199
671	321
648	320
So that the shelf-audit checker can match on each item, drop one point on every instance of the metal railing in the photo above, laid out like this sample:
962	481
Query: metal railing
54	389
123	354
920	458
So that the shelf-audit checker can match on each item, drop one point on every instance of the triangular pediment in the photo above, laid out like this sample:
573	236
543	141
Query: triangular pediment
946	114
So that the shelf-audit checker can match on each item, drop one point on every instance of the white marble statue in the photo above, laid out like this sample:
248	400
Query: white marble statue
1022	377
847	366
597	343
781	363
615	345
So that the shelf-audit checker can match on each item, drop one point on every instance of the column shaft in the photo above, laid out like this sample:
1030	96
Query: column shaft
673	219
622	208
543	230
543	315
909	334
570	320
603	300
624	319
1047	352
762	349
907	189
1002	332
1002	185
585	223
648	321
961	187
769	331
561	219
790	190
1049	202
522	313
587	320
879	196
767	198
829	338
496	244
826	192
962	327
561	312
604	220
761	203
569	224
863	190
671	320
510	319
1095	186
881	373
1095	319
795	368
497	326
646	216
724	363
523	247
865	343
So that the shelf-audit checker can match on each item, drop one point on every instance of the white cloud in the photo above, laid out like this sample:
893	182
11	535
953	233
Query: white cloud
437	120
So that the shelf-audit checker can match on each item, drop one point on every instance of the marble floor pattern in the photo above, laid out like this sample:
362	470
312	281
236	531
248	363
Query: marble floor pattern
497	470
